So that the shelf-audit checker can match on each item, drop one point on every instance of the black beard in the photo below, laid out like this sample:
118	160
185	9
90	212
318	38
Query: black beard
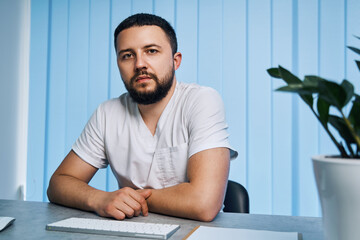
161	89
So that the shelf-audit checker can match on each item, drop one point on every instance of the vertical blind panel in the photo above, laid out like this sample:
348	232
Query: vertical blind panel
166	9
281	132
304	191
259	103
234	82
187	34
332	45
77	70
210	43
56	100
352	26
227	45
98	68
98	53
142	6
37	99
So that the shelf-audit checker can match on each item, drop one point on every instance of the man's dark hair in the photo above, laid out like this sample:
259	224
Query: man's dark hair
144	19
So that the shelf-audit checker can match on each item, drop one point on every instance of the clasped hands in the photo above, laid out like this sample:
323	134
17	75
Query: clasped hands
125	202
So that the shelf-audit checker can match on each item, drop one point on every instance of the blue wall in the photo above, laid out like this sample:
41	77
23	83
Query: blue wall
226	44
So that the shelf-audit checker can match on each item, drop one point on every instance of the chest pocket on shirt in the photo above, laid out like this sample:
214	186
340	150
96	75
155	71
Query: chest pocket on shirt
171	164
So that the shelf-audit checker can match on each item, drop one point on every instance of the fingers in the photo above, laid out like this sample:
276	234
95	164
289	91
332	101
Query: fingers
140	196
146	193
130	205
114	213
125	202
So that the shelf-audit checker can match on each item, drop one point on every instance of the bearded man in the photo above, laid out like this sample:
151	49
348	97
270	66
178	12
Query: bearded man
166	141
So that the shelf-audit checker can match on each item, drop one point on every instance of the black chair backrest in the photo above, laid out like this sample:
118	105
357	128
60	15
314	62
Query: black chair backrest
236	198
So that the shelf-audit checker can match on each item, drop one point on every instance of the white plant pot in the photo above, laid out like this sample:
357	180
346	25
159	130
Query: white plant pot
338	184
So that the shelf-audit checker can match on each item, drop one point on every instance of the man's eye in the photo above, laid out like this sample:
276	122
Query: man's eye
152	51
126	56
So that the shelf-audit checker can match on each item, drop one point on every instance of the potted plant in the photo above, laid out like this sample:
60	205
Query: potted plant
337	107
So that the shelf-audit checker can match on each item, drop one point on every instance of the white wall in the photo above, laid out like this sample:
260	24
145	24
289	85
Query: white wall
14	88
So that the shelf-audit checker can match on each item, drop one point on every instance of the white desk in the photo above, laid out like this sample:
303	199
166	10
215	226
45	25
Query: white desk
31	218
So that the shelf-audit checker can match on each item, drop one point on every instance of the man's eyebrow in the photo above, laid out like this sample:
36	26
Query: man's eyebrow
152	45
124	50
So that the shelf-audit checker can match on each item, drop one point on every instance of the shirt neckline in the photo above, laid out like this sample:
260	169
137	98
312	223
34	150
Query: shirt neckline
145	131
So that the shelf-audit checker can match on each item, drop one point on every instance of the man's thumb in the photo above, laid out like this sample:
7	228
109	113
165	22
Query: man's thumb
145	193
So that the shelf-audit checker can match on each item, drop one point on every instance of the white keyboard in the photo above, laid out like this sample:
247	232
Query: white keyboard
114	227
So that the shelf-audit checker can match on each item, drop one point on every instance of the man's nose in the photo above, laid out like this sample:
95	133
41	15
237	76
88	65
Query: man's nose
140	63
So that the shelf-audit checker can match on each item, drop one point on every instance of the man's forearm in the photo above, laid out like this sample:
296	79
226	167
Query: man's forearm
72	192
202	197
184	200
125	202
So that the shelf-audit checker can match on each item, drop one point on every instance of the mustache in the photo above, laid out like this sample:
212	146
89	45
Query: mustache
139	73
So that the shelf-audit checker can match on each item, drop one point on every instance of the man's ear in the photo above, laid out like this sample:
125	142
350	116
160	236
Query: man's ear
177	60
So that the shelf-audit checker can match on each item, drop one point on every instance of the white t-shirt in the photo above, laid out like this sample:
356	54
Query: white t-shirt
192	121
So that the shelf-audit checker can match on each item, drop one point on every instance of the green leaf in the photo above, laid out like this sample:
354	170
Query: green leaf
332	93
313	81
290	88
349	90
305	93
274	72
323	110
308	99
358	64
340	125
288	77
309	87
354	115
356	50
297	88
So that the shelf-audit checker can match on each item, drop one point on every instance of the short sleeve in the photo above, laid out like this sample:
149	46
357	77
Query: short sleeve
207	123
90	144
